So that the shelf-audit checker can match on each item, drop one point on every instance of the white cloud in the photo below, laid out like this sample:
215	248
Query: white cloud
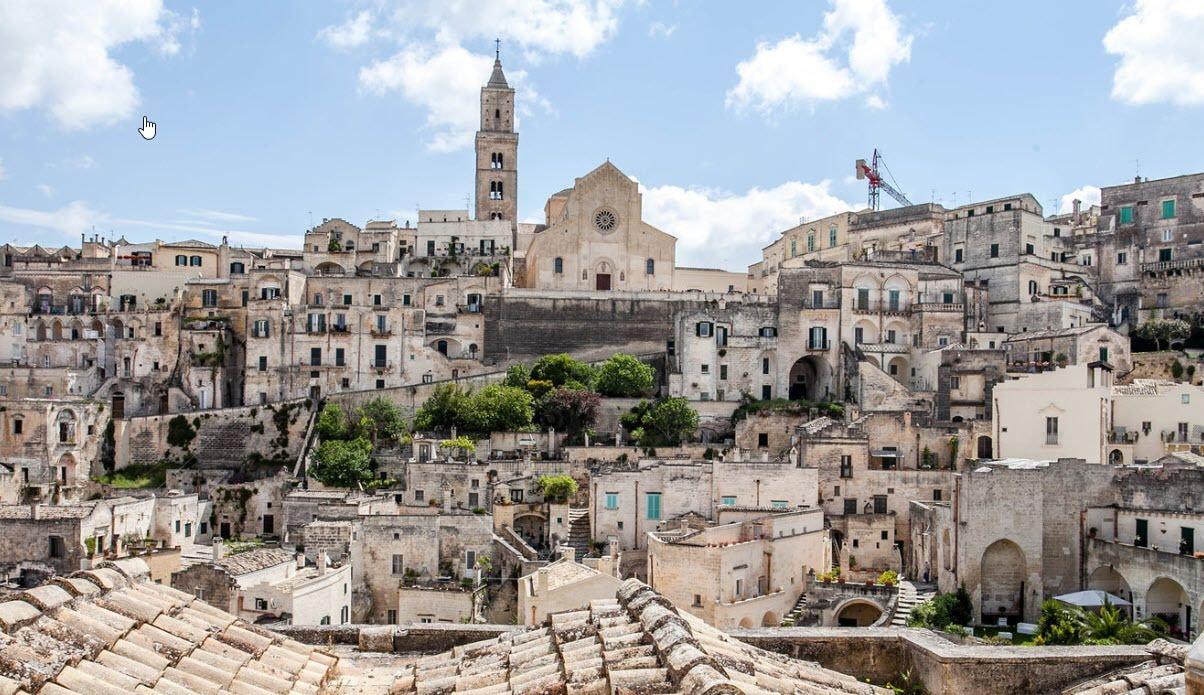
57	55
1161	55
661	30
83	161
218	215
445	80
72	219
1089	195
45	189
3	173
350	34
721	229
433	69
853	53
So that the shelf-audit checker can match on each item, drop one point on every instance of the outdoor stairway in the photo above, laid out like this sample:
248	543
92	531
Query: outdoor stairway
910	595
795	613
579	538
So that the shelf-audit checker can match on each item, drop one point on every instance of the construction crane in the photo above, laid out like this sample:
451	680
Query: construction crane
871	173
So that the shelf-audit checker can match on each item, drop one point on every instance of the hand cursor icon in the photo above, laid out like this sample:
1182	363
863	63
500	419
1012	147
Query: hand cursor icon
148	129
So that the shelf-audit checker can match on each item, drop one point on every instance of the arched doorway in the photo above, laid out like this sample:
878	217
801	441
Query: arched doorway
532	528
1003	571
1106	578
1166	599
770	619
1116	457
857	613
810	379
984	447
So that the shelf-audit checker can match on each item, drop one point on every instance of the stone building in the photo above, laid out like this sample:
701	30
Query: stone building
1039	350
270	585
747	570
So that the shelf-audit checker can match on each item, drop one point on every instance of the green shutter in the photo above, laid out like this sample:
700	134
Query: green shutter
654	505
1168	209
1126	215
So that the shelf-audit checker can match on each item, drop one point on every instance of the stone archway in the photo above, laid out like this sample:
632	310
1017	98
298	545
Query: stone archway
1168	600
746	622
770	619
857	612
1116	457
810	379
1105	578
533	528
1002	581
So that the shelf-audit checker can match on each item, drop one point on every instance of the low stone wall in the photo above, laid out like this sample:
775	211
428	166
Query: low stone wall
881	654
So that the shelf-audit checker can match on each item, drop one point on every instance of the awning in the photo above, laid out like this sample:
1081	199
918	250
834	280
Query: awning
1093	598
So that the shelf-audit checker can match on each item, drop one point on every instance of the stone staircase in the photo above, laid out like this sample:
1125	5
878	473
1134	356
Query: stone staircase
800	606
579	536
911	594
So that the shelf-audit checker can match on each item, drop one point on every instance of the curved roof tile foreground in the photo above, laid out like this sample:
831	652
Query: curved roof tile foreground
109	631
637	643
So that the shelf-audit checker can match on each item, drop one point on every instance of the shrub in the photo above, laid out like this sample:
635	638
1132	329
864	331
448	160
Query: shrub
179	432
561	369
1177	370
557	488
889	578
343	463
623	376
332	423
667	422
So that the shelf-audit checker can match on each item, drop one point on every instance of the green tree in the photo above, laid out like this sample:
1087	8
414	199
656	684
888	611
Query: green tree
442	411
623	376
461	444
562	369
384	421
332	423
343	463
1164	330
571	412
1109	625
557	488
667	422
517	376
498	408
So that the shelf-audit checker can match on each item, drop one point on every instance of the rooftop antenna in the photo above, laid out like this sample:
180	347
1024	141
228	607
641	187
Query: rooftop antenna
497	49
311	219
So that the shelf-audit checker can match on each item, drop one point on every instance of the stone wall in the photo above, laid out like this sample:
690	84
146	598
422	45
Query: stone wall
225	438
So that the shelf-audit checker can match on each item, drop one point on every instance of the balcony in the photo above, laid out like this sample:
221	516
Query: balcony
879	307
382	332
1162	266
819	345
893	348
1122	437
942	306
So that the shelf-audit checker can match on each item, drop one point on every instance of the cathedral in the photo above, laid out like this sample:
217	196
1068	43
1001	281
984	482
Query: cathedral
593	236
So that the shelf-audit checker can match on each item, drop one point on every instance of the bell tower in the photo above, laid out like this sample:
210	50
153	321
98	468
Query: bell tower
497	149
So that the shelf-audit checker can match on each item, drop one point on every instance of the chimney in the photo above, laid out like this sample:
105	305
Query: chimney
300	561
1078	210
322	562
612	544
568	552
541	581
219	549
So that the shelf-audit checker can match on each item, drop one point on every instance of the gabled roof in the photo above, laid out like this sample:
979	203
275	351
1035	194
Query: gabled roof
636	642
255	560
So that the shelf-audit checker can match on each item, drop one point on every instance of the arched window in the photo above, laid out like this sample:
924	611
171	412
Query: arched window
441	346
237	268
650	267
194	260
1032	287
558	265
181	260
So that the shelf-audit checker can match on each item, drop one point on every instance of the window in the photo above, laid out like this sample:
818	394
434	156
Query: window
879	504
261	604
1122	258
721	336
263	363
994	250
936	495
1165	255
194	260
850	505
261	328
376	300
942	341
18	426
1029	249
779	504
1168	209
391	616
957	255
766	392
340	357
1051	430
649	267
612	500
893	299
728	500
1167	235
831	236
381	356
990	209
858	335
955	382
863	298
846	466
793	248
890	335
57	548
764	365
315	357
762	440
1103	354
495	190
703	329
495	160
181	260
209	298
398	565
811	242
653	505
722	372
237	268
706	369
558	266
817	299
516	495
769	332
1126	214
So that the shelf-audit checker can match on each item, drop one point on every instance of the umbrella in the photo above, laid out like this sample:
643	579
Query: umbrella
1091	599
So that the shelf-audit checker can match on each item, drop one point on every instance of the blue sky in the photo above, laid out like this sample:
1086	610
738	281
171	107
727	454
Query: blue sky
736	123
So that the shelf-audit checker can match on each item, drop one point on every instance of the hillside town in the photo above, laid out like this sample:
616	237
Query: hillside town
465	452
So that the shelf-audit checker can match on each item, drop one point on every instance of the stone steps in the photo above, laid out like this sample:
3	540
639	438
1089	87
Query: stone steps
579	535
910	596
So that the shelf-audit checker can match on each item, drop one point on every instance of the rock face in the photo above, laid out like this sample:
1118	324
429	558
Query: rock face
110	630
637	642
